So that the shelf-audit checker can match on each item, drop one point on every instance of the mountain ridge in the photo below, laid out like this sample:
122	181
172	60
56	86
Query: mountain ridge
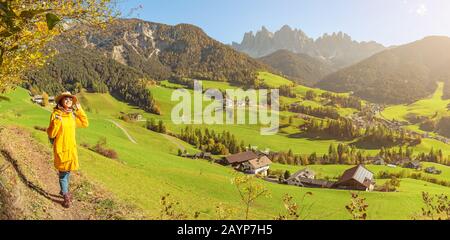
339	49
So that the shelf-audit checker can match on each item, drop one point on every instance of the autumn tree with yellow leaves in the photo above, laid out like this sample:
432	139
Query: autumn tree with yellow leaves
26	26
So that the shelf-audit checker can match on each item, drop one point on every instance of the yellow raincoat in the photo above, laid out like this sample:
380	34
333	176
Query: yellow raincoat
63	133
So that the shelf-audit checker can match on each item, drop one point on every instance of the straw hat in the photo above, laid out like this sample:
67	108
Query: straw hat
66	94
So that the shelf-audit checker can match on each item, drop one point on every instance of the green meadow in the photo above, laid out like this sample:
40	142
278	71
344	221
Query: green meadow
426	107
149	169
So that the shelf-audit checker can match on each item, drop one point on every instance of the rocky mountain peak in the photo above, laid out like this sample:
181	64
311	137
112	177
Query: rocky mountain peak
285	28
337	48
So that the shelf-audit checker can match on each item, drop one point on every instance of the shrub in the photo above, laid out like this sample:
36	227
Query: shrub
125	118
170	209
436	207
357	207
100	148
391	185
293	209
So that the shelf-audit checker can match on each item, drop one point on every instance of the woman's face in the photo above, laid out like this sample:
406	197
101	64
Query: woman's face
67	102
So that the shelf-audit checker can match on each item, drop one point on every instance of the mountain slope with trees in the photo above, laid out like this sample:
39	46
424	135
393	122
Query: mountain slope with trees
83	68
399	75
302	68
161	50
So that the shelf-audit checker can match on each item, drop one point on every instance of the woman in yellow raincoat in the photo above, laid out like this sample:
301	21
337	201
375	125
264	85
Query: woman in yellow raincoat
66	116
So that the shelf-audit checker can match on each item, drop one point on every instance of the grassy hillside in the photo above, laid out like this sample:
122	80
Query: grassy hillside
276	81
430	114
149	169
426	107
272	80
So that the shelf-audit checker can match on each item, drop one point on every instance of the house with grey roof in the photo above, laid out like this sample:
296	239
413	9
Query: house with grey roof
413	165
306	178
304	173
433	170
378	160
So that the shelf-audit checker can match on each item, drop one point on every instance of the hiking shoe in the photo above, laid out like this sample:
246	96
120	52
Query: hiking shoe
70	195
67	200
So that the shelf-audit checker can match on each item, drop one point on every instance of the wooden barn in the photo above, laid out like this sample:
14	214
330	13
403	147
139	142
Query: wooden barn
356	178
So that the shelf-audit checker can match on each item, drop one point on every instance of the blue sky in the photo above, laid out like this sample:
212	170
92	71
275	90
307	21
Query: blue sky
390	22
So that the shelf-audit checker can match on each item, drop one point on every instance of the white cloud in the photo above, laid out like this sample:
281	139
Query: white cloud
422	10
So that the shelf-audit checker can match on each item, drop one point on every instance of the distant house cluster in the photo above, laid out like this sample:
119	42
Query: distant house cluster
396	125
249	162
258	163
366	118
356	178
405	163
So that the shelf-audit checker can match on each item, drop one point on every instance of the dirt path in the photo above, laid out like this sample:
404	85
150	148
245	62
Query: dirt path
124	131
172	140
33	165
34	186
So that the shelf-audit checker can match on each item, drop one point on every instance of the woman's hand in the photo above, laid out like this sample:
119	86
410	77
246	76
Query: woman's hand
78	105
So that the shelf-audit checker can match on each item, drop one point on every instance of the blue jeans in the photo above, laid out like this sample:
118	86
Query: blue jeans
64	181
